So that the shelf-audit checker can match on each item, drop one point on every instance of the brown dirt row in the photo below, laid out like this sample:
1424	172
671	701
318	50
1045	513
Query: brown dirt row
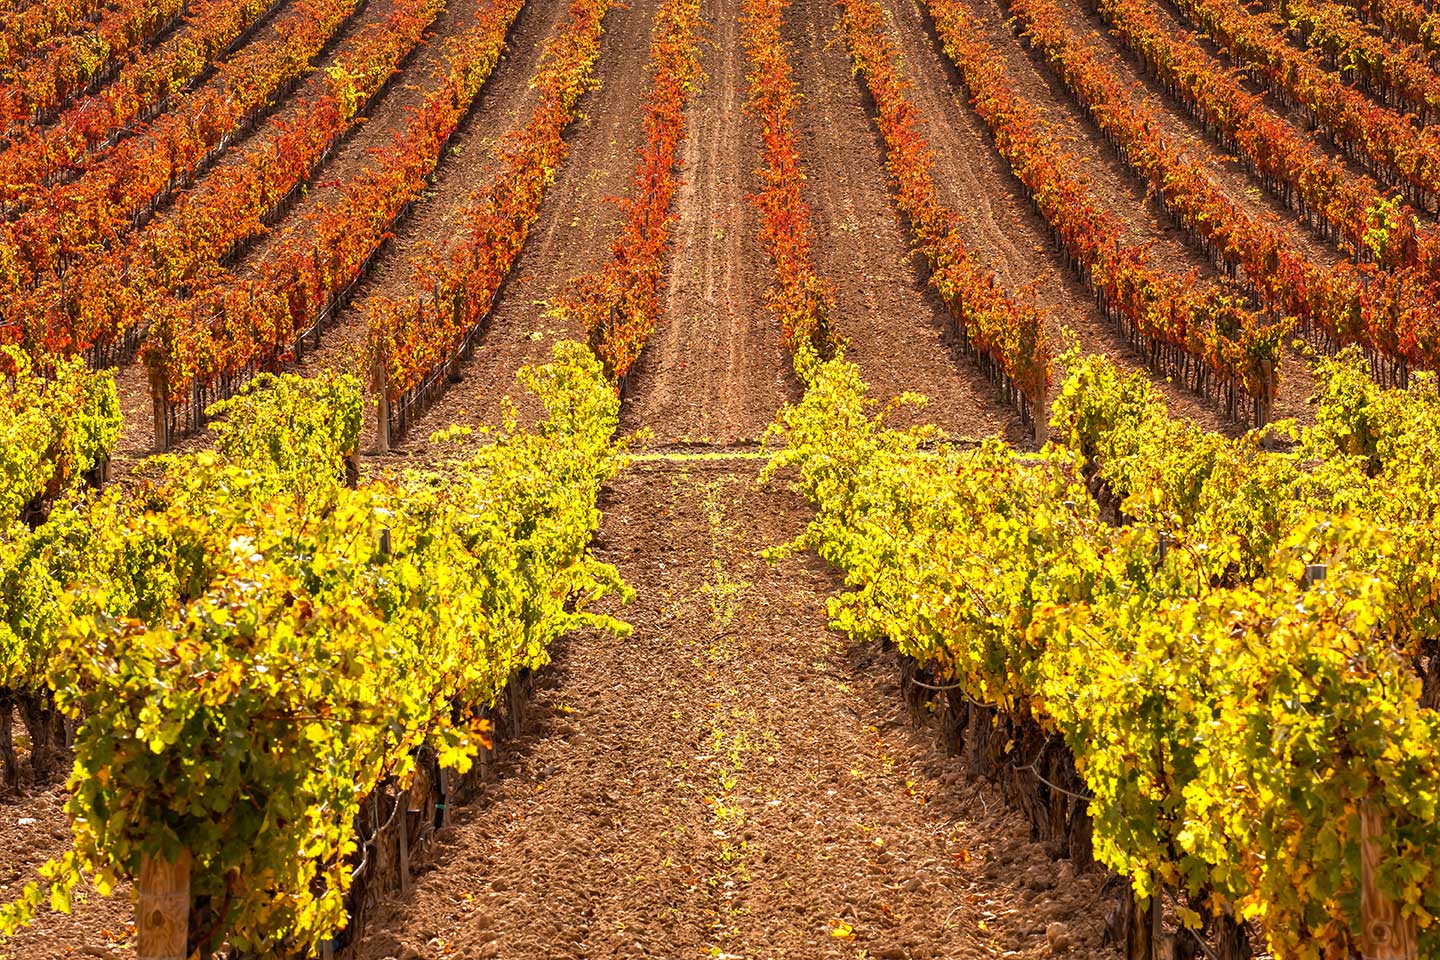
137	434
733	780
722	783
715	368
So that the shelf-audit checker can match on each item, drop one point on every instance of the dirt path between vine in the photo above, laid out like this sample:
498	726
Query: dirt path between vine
732	780
715	369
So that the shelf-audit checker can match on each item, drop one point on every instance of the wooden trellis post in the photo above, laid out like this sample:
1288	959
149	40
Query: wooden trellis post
382	406
160	411
1040	413
403	822
1266	404
1385	934
382	425
162	913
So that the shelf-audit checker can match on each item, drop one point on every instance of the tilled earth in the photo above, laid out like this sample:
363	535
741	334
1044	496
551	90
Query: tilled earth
733	779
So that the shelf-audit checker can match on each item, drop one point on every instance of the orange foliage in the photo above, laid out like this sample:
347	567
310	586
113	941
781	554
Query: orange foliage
617	304
232	326
1394	314
68	64
995	325
418	336
799	298
143	86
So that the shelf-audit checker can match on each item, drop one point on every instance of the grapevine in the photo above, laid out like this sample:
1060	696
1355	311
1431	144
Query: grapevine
1386	144
247	324
48	254
1321	189
617	304
412	340
56	425
25	30
1405	19
1227	716
1392	315
142	88
1396	74
70	64
295	665
799	298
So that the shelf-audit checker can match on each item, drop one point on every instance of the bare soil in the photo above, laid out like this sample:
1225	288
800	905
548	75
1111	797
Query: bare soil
34	829
715	368
731	780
